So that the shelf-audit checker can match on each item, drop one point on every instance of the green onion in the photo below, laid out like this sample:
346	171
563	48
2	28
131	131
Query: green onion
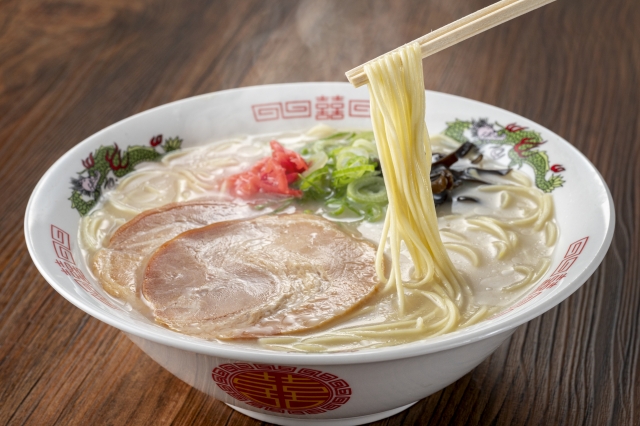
363	135
343	174
373	213
317	185
367	145
368	189
286	203
336	206
344	177
317	161
339	135
348	156
324	145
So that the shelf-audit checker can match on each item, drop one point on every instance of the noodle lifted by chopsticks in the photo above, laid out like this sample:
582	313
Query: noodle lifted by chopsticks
397	95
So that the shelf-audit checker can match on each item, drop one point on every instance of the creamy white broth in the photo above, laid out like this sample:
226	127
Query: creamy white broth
500	261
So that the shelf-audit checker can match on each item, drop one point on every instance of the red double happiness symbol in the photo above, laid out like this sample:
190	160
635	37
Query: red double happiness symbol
282	389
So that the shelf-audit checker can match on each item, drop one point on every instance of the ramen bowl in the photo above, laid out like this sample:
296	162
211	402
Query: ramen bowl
344	388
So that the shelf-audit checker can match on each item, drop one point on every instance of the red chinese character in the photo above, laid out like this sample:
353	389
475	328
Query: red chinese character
71	270
329	109
552	282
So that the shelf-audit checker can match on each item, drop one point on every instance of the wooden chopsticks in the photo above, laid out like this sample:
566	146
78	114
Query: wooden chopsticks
462	29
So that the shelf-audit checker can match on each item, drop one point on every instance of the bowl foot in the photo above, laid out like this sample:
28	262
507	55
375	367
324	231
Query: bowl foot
351	421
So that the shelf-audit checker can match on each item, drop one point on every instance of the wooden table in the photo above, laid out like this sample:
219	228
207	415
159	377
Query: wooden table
70	68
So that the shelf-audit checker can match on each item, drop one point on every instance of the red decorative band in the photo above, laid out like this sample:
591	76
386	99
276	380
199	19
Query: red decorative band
559	274
62	247
279	110
322	108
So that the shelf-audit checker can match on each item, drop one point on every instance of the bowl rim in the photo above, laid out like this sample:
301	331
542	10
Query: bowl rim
451	340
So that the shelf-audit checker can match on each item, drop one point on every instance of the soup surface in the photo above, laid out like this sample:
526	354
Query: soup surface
499	235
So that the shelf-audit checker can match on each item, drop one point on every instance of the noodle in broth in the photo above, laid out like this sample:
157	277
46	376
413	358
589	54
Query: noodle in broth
499	248
448	269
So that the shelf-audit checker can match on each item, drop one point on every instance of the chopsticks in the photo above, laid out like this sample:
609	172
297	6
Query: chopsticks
462	29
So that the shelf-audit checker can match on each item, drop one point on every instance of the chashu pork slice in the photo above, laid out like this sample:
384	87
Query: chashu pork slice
258	277
120	265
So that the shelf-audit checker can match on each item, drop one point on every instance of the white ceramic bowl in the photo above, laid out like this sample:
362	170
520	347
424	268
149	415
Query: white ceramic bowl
340	388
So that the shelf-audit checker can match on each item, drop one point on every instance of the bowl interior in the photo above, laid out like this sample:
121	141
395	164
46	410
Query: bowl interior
584	210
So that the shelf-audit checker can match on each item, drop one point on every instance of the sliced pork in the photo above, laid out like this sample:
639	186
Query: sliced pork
120	266
258	277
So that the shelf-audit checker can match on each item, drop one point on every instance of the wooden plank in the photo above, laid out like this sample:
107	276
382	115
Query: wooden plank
68	69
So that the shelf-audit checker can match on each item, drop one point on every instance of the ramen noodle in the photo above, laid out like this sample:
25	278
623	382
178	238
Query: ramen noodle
397	112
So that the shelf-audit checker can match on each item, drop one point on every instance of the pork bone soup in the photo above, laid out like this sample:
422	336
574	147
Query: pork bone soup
293	269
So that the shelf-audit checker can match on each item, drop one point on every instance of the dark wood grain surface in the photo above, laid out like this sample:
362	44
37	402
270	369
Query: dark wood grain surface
69	68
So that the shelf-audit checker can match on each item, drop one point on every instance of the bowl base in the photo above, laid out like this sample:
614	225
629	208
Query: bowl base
351	421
